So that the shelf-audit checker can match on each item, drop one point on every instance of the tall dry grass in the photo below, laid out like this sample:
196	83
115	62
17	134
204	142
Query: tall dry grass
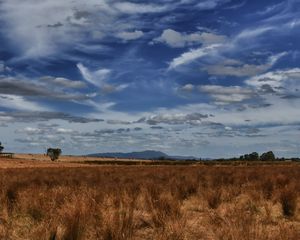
151	202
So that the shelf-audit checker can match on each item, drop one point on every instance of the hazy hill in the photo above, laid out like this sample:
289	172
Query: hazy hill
149	154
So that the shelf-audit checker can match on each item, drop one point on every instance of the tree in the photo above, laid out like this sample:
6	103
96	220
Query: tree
253	156
53	153
1	148
250	157
267	156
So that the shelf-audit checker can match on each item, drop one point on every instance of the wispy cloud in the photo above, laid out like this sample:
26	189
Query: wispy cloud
48	88
236	68
38	116
192	118
224	95
192	55
97	77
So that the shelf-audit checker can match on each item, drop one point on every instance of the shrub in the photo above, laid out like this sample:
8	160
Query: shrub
267	188
288	201
214	198
119	223
35	213
11	198
164	209
74	227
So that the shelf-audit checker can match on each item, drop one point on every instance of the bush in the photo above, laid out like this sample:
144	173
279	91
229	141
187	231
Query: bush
288	201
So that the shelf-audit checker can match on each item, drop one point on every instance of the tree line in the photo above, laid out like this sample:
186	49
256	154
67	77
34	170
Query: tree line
254	156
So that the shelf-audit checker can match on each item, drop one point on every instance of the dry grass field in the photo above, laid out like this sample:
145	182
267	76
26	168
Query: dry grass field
68	201
66	158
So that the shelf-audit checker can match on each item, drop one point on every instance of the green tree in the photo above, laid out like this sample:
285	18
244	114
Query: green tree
1	147
267	156
253	156
53	153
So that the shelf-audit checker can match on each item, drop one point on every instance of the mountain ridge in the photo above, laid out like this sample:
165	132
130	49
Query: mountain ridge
147	154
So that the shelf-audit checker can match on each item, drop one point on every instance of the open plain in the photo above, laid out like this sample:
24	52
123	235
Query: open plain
41	199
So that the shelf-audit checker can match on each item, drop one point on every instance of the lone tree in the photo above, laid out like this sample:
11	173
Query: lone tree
53	153
1	148
267	156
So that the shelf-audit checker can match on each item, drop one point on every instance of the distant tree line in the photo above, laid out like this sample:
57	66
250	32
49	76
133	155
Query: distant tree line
254	156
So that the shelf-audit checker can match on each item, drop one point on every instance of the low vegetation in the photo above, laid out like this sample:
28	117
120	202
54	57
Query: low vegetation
151	202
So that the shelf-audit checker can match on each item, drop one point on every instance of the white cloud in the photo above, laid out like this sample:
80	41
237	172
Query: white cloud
283	81
271	8
188	87
64	131
4	68
177	39
251	33
64	82
97	77
39	29
192	55
19	103
24	17
178	118
206	5
30	130
48	88
215	50
127	36
108	88
225	95
138	8
172	38
236	68
281	112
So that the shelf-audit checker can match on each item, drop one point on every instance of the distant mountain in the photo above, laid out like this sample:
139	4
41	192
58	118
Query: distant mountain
140	155
149	154
182	157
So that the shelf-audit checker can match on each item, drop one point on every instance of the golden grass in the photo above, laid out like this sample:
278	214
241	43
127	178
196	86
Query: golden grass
68	158
150	202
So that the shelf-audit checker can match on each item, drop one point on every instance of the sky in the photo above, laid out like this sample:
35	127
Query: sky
207	78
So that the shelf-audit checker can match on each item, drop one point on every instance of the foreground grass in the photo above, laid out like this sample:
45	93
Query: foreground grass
151	202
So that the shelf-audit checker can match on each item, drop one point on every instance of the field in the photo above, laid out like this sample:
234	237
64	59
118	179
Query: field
67	200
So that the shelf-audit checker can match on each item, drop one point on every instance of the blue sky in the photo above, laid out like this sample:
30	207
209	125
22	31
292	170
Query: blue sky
210	78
